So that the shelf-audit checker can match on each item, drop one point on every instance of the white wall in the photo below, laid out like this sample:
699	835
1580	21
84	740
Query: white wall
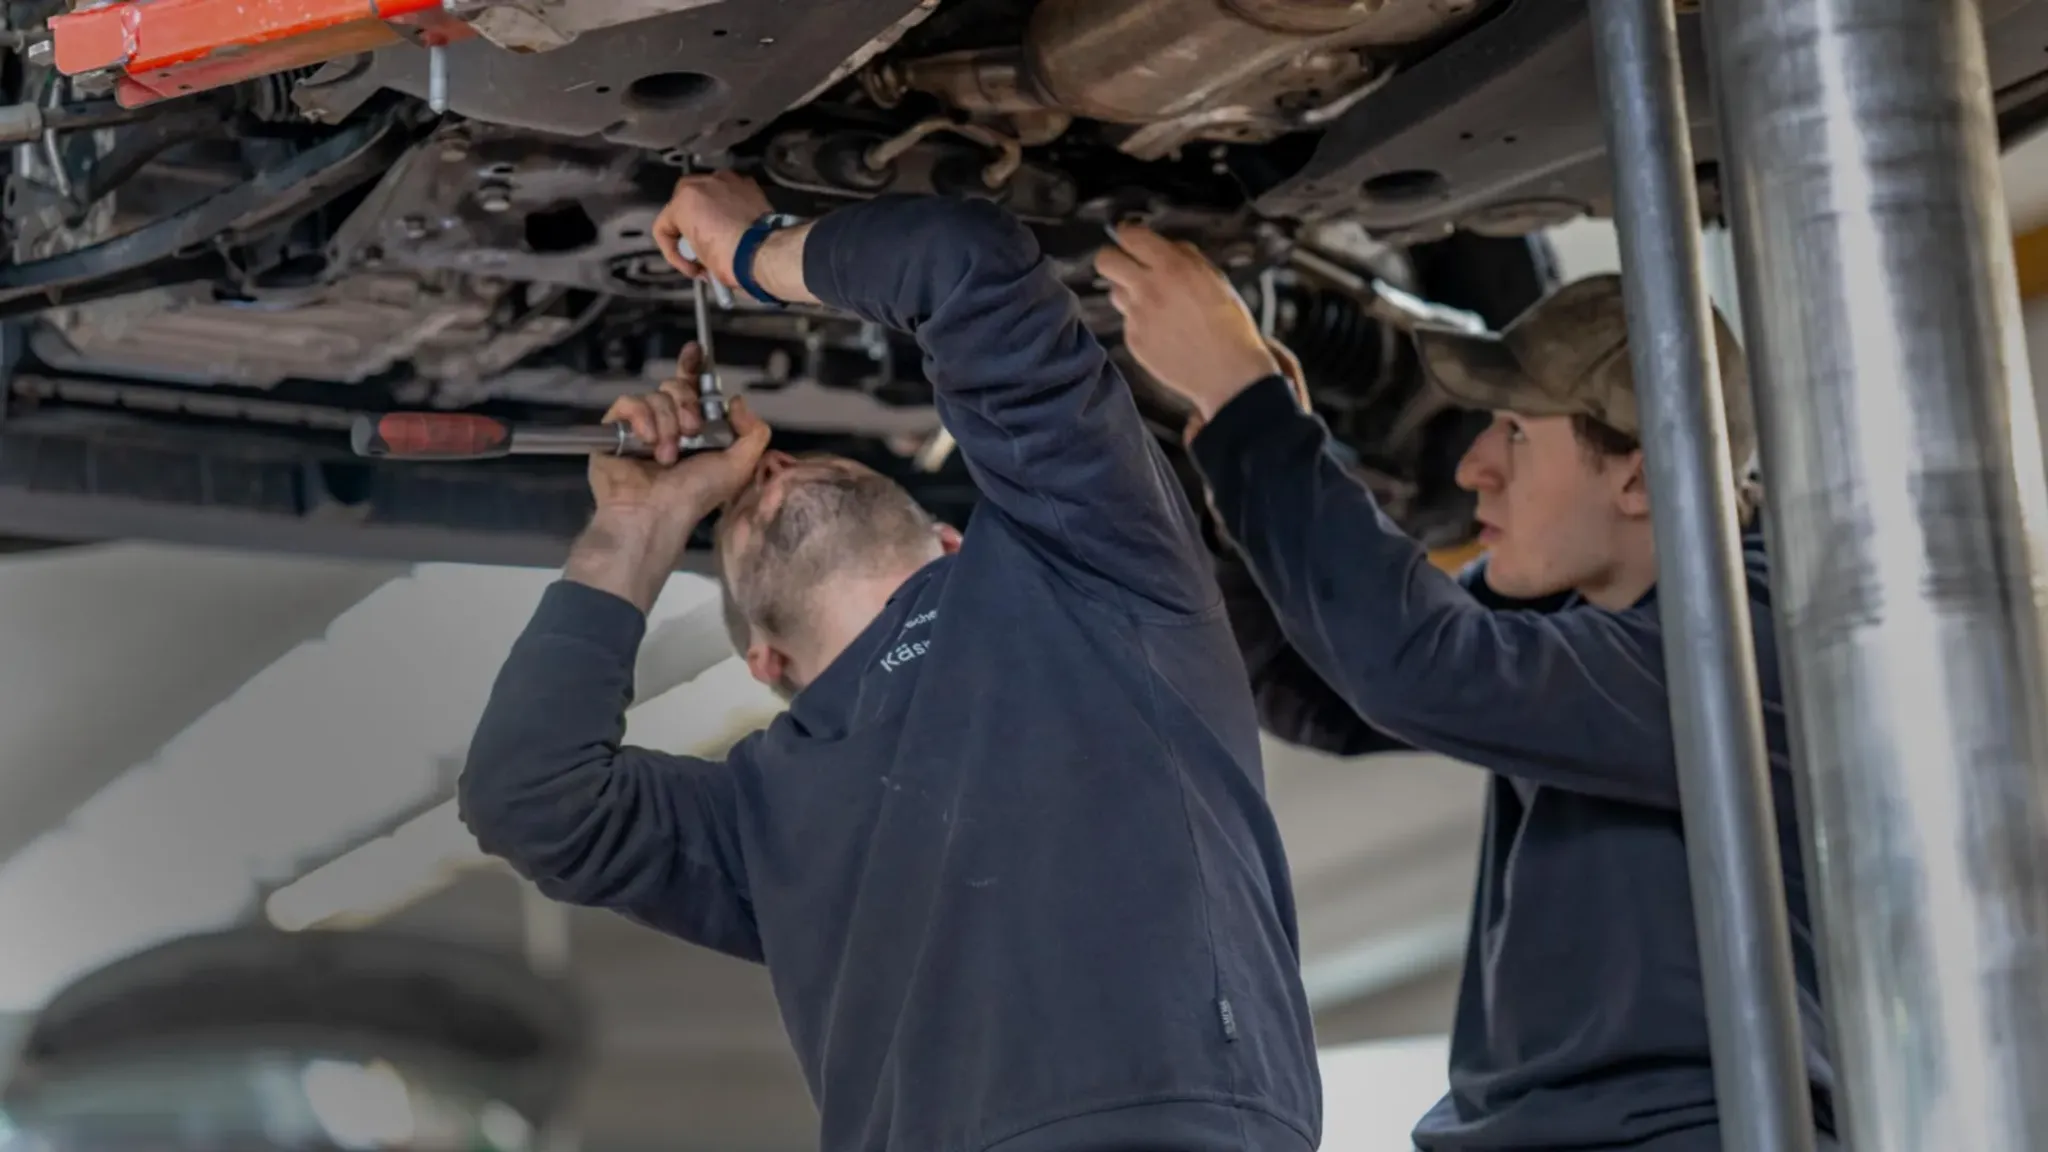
1374	1093
1589	247
2024	171
2034	314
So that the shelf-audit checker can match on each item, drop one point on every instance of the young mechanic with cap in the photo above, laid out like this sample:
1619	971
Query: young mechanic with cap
1581	1021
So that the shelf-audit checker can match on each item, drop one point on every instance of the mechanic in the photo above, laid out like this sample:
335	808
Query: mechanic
1581	1022
1007	855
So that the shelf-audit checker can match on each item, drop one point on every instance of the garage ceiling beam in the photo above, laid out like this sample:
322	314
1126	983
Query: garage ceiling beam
118	648
331	740
691	693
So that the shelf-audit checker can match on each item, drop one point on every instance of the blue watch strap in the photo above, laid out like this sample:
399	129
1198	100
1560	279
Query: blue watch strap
743	258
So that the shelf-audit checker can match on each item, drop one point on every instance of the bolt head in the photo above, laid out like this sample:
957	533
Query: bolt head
494	198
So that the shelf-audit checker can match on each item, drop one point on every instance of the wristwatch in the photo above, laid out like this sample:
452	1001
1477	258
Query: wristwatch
750	244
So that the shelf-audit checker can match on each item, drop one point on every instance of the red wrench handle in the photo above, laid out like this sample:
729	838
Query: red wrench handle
432	436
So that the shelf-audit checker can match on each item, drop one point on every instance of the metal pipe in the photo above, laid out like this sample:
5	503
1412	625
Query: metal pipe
437	78
1737	878
1387	303
547	930
1909	518
31	121
995	174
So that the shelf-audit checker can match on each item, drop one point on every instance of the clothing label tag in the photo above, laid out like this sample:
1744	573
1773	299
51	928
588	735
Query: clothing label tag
1228	1017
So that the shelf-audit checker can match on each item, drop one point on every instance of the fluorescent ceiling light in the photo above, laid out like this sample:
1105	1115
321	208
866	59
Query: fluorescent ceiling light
360	1106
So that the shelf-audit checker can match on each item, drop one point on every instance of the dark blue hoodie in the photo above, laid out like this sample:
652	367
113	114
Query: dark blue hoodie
1008	860
1581	1019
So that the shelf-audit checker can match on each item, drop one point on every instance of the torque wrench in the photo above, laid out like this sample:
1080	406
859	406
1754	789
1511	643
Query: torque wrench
451	436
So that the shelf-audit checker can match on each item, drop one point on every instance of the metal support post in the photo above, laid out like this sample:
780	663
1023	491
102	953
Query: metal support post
548	933
1738	885
546	927
1909	515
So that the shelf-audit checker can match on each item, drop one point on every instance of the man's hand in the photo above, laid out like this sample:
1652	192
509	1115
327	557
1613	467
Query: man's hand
711	212
646	510
1183	322
669	484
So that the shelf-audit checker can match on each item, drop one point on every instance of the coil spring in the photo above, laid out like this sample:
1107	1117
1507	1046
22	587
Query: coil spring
1337	343
269	98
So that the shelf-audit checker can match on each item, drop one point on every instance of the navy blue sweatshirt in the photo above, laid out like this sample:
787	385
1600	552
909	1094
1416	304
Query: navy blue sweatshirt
1581	1020
1008	860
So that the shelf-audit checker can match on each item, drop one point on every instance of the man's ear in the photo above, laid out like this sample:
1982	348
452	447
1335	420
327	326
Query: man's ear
766	664
1632	492
949	538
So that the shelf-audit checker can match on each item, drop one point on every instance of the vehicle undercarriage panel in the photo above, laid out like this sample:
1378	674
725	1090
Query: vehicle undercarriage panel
490	200
701	80
1499	131
346	332
193	362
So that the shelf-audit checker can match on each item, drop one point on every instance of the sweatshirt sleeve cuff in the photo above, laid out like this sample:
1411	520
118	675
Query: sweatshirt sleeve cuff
576	610
821	271
1266	405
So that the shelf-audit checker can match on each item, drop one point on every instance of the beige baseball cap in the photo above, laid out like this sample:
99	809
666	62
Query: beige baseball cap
1568	355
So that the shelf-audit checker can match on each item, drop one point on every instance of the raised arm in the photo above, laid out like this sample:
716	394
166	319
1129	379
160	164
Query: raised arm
550	788
1295	704
1046	424
1574	698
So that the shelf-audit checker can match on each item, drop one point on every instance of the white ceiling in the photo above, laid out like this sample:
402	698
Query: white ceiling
112	651
274	712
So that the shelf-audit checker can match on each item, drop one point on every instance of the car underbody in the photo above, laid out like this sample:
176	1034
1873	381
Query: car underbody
229	234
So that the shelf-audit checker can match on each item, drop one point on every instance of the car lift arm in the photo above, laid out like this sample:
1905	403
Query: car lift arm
163	49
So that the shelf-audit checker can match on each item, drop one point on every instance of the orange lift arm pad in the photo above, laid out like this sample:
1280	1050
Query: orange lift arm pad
1453	560
167	48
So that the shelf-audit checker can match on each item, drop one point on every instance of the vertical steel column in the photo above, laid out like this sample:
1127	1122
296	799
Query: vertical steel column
1903	472
549	933
1731	840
